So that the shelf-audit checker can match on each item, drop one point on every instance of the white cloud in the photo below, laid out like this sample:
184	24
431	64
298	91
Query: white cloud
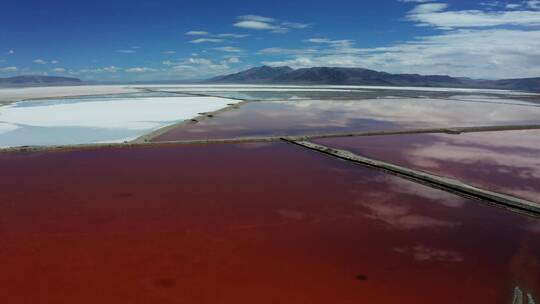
232	35
233	60
256	25
228	49
486	53
435	14
301	62
318	40
55	62
512	6
255	22
200	61
534	4
469	46
494	5
204	40
215	36
196	33
140	70
59	70
491	3
126	51
256	18
295	25
169	52
9	69
286	51
428	8
40	61
335	43
196	67
11	52
109	69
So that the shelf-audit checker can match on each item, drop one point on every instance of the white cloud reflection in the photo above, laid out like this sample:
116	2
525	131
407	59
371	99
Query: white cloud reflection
424	254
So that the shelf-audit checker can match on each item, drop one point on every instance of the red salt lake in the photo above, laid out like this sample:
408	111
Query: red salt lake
506	162
252	223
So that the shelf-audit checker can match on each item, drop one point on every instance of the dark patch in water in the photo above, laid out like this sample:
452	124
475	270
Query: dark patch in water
361	277
165	283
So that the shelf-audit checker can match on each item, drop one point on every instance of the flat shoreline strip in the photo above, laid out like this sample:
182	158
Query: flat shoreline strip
141	140
156	133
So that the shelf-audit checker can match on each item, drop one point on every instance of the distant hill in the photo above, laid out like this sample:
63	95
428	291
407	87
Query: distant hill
359	76
530	84
324	75
32	80
255	75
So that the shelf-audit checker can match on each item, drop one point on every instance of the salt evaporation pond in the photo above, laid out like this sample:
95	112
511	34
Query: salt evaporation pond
95	120
217	224
505	161
300	117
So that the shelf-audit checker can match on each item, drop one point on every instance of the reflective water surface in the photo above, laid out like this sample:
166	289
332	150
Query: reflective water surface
326	92
296	117
507	162
252	223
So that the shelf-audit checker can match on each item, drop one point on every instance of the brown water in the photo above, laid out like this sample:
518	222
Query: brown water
323	116
253	223
507	162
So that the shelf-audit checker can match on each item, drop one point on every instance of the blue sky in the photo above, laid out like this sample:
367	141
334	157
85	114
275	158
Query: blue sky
154	40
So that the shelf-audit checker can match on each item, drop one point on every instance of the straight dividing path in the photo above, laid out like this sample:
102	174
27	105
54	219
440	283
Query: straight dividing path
444	183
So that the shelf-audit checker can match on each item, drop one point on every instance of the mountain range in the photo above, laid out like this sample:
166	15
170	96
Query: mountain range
34	80
314	76
359	76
